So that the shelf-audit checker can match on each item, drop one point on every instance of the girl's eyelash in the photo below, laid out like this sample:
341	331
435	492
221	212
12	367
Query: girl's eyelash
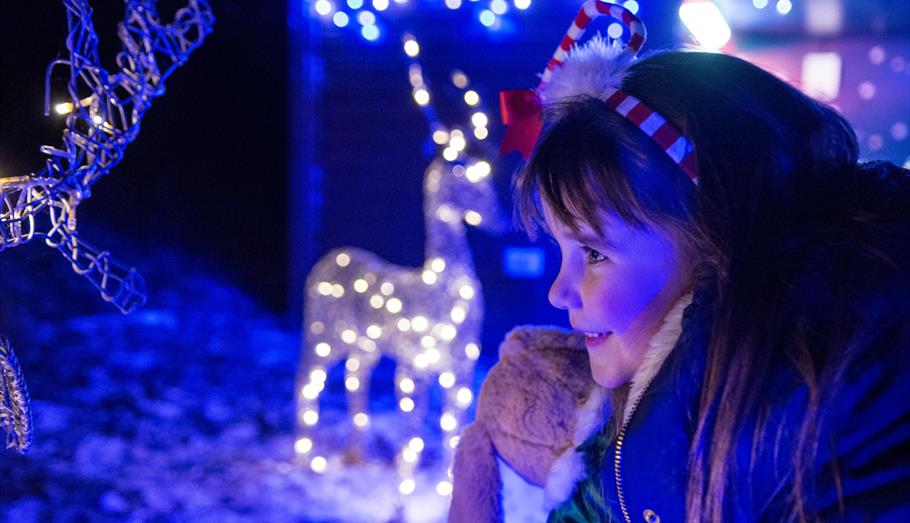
593	255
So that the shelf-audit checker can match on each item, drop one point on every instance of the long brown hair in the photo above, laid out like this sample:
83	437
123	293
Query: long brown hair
777	179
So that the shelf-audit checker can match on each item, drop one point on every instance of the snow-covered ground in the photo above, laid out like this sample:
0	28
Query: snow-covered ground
182	411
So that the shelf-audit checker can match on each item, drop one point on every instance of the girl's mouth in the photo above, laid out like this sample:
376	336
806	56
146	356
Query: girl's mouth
593	339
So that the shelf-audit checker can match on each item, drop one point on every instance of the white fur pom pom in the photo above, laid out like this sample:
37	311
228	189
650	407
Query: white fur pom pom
595	69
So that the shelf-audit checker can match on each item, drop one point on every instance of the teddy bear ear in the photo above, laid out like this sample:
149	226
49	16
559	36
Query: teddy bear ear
477	494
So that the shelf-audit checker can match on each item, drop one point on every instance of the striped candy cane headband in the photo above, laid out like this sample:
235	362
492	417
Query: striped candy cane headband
595	69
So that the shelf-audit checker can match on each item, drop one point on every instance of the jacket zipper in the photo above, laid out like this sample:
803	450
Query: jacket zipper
617	457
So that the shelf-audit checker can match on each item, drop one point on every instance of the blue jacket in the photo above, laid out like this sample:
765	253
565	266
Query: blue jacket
866	437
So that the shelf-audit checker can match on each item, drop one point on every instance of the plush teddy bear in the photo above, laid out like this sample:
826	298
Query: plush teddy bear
536	405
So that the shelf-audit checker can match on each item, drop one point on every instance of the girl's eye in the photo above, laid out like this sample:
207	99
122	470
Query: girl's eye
592	255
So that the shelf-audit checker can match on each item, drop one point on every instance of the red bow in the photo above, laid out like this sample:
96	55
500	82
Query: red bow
521	113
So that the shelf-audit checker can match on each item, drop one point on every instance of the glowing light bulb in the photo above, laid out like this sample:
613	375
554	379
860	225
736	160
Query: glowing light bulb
416	444
376	301
481	133
310	417
406	487
464	396
406	404
422	96
420	361
370	32
433	355
445	213
446	379
317	327
706	23
361	285
760	4
499	7
459	79
440	137
411	48
448	332
303	445
448	422
438	265
393	305
361	420
450	154
428	277
387	288
324	288
471	98
374	331
478	171
784	6
428	342
419	323
479	119
355	4
341	19
366	18
343	259
457	142
406	385
487	17
380	5
404	324
444	488
318	375
472	351
408	455
614	31
323	7
473	218
348	336
453	4
632	6
458	314
337	290
352	383
63	108
352	364
318	464
310	391
453	442
323	349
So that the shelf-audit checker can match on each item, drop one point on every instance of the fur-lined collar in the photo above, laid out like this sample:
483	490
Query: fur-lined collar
659	348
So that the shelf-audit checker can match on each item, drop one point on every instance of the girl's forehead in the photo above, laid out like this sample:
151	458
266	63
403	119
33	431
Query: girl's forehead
609	223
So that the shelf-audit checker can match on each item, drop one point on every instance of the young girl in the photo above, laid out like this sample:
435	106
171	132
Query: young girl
697	185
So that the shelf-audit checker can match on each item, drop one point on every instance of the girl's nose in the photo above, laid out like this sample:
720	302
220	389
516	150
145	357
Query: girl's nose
562	295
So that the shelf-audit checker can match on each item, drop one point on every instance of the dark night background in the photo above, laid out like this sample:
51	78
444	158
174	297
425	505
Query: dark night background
281	138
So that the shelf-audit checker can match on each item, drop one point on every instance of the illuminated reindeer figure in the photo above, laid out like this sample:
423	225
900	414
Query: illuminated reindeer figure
102	118
427	319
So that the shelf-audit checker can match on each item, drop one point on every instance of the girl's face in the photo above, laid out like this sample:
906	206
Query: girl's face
617	288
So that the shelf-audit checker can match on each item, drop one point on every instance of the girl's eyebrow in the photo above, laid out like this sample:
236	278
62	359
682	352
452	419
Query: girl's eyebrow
592	239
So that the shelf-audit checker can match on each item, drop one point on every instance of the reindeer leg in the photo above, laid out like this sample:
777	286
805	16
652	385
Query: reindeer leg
358	370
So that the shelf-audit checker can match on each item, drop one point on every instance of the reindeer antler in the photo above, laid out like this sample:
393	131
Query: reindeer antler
103	117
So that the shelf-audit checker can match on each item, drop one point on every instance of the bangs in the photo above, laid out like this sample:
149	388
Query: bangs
578	174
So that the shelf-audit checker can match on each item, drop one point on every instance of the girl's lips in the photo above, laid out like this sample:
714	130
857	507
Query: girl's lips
594	339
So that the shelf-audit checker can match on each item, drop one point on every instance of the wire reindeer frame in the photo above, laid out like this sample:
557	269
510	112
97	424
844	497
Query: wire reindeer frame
102	118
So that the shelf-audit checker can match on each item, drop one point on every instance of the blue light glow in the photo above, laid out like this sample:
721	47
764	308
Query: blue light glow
487	17
370	32
355	4
366	18
341	19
